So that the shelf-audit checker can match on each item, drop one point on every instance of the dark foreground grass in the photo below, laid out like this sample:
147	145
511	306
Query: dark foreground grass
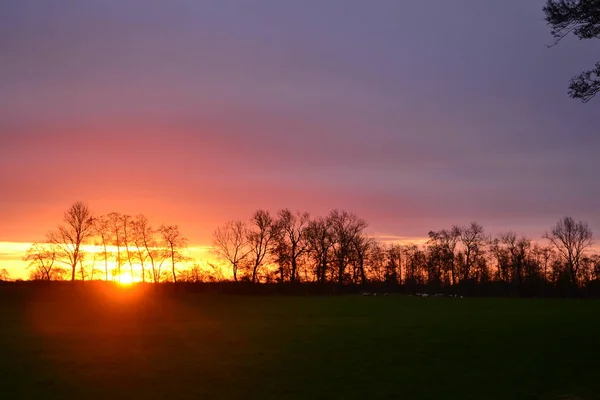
136	344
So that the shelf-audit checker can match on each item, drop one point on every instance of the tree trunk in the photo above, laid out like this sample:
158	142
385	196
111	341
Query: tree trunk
399	277
340	272
82	271
173	264
363	276
467	265
294	268
573	274
141	264
323	270
105	261
74	266
254	273
118	261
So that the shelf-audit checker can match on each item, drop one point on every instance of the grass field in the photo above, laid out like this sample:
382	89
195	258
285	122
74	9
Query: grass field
110	343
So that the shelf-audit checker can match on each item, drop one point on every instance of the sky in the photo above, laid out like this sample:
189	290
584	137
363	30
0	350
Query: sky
413	115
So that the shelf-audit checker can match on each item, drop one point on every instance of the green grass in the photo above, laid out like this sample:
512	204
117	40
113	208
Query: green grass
102	344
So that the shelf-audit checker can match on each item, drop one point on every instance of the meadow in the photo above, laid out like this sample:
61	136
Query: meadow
62	342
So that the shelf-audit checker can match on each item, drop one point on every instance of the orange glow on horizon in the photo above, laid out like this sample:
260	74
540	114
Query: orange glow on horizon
12	253
125	279
11	259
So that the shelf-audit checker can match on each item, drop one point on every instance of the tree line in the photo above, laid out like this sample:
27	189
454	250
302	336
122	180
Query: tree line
123	242
337	249
293	247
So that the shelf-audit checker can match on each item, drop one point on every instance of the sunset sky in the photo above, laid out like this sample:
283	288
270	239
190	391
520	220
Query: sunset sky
414	115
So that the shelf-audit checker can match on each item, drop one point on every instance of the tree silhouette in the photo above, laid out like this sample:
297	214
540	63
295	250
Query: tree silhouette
77	227
442	247
362	246
102	231
473	239
319	236
42	259
230	245
86	271
393	270
332	249
4	275
513	256
346	227
148	247
174	244
415	265
290	241
116	234
581	18
142	236
571	240
544	255
259	237
127	222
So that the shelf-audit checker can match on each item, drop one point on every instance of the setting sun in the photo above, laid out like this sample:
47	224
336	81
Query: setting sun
125	278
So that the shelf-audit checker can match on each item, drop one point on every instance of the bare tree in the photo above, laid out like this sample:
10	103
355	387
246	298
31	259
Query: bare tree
319	236
85	271
42	257
415	264
127	241
571	239
290	243
546	254
259	237
91	271
148	247
174	243
194	274
378	262
501	256
76	229
393	273
102	230
513	258
442	246
473	240
116	235
230	245
142	236
519	252
158	261
346	227
362	246
4	275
